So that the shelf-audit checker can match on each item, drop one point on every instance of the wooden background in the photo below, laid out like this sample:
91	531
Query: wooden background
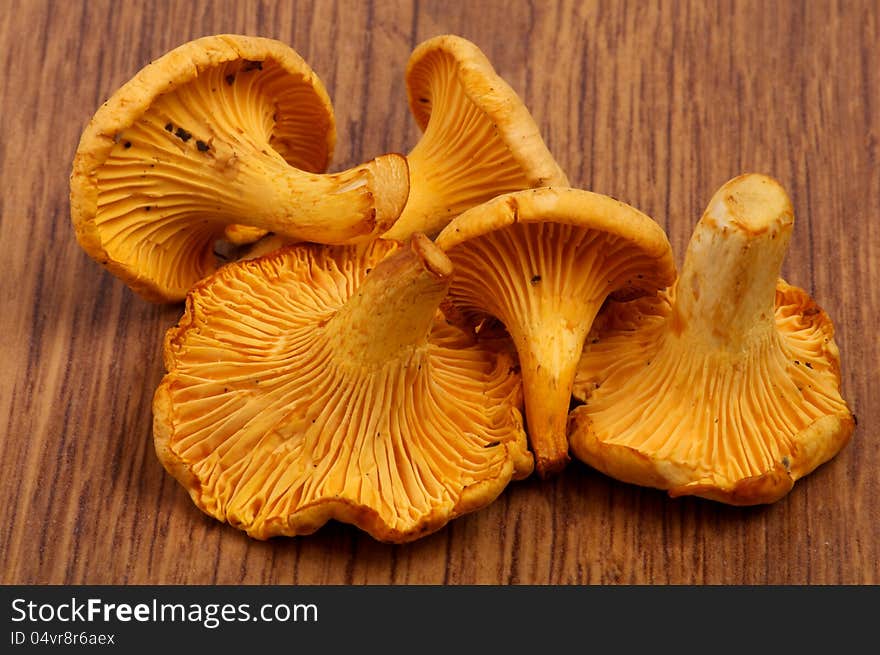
655	103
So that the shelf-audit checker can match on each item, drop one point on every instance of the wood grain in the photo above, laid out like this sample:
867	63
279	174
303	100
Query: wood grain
655	103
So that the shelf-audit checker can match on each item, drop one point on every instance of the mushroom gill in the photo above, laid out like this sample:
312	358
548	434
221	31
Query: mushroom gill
543	261
321	383
479	139
726	386
221	134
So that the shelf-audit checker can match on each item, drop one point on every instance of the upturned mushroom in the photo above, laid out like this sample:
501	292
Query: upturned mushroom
543	261
479	139
222	132
728	385
303	386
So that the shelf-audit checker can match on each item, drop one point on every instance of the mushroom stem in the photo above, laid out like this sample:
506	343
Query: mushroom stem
549	351
422	209
727	287
325	208
395	306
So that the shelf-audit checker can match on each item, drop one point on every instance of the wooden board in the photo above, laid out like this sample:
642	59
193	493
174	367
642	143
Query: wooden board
655	103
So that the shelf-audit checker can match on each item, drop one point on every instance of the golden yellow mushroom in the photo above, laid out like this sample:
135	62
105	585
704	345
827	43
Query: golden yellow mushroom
543	261
726	387
321	382
479	139
222	131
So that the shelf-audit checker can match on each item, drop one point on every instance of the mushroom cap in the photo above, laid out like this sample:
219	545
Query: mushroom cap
109	178
543	261
276	423
488	91
479	138
702	389
577	208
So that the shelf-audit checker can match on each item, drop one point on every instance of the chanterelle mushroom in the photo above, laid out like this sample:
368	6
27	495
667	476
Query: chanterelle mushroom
479	139
304	387
222	131
543	261
727	386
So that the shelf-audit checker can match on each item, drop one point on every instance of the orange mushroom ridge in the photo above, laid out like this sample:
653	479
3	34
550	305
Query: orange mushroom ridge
727	386
222	137
320	383
479	138
543	261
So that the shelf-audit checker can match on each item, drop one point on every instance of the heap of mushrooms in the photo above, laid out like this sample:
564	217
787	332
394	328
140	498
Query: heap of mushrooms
390	346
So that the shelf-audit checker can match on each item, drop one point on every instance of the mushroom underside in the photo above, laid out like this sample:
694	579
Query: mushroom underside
178	175
739	426
479	140
270	430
